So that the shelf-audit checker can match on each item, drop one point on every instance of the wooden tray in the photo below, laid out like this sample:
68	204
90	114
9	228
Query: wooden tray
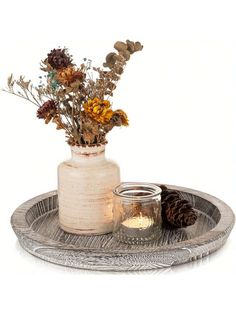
36	225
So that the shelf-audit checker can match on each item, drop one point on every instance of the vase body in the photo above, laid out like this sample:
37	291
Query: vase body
85	184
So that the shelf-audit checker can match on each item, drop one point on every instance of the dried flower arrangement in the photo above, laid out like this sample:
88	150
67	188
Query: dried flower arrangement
75	101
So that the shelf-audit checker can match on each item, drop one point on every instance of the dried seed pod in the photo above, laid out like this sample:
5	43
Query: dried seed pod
138	46
125	54
130	46
120	45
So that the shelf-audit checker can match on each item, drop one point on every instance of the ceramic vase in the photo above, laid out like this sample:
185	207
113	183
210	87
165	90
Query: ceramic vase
85	184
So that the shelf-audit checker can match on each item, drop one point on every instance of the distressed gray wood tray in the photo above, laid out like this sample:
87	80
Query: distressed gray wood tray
36	225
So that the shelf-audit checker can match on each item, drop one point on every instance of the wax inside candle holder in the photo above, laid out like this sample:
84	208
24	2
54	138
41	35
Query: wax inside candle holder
139	222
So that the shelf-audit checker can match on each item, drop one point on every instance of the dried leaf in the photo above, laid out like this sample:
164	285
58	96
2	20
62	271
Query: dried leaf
10	81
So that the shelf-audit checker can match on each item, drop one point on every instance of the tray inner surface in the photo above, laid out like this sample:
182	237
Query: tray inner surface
43	219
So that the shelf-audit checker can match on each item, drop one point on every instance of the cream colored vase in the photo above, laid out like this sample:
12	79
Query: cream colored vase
85	184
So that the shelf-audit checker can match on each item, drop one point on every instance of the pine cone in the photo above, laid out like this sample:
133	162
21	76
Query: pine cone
176	211
59	59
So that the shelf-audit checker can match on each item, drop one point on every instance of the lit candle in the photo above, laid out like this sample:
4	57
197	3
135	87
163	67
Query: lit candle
137	228
138	222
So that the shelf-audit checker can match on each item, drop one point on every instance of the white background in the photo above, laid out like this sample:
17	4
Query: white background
180	95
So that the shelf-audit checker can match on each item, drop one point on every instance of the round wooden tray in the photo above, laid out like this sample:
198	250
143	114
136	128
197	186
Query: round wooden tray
35	223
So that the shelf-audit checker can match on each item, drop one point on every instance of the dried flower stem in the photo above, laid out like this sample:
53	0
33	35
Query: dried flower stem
21	96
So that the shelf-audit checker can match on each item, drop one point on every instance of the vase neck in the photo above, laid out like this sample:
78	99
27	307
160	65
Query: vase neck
87	153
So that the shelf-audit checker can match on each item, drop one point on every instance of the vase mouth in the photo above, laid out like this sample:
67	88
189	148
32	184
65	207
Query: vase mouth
88	150
137	190
89	145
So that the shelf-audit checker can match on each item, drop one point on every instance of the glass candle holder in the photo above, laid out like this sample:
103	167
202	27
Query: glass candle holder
137	213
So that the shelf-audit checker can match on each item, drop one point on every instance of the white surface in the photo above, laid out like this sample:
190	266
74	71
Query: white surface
180	95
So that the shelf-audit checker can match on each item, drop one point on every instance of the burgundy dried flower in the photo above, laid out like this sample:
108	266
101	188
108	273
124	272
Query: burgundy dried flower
47	110
59	58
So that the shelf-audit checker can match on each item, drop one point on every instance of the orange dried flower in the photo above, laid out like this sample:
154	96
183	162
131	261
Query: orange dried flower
69	75
99	110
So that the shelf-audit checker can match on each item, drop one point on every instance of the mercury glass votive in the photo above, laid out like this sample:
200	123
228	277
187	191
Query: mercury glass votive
137	212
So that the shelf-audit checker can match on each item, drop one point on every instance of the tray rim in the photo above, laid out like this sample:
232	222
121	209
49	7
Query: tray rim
224	226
